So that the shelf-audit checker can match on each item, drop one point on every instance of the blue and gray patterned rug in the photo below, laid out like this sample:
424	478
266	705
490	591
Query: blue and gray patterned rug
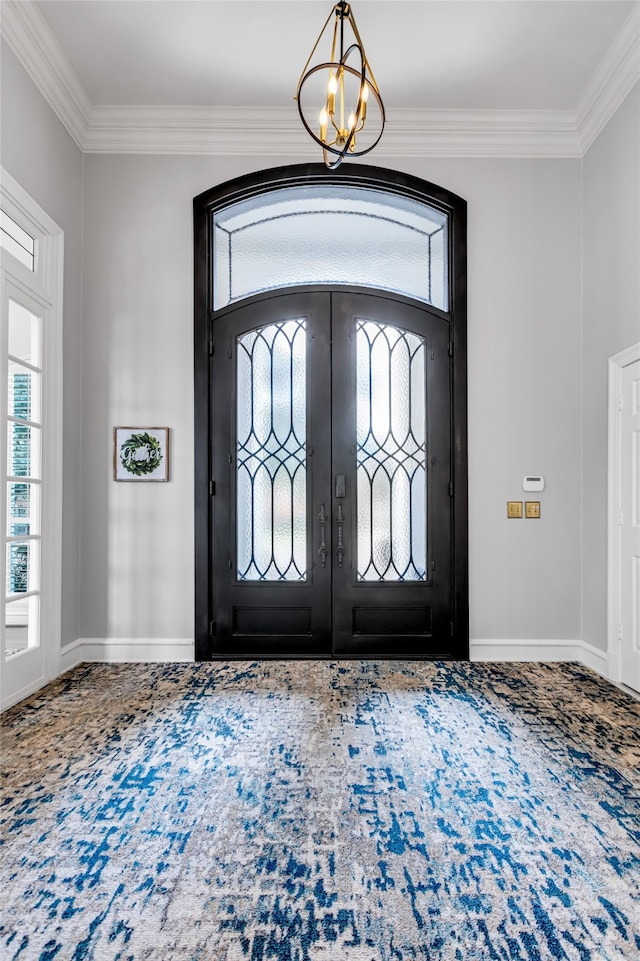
319	811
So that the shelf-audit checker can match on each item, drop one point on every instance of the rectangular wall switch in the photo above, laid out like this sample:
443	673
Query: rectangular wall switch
514	508
532	508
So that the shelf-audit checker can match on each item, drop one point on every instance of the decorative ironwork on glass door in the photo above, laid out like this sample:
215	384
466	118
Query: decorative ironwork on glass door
391	453
271	453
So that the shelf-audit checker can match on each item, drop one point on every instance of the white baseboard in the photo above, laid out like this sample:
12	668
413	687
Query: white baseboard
522	649
146	649
153	649
507	649
594	658
69	657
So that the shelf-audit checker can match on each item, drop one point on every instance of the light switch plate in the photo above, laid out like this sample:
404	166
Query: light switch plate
514	508
532	508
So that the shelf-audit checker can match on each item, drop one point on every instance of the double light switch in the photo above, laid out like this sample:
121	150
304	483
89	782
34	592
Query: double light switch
531	509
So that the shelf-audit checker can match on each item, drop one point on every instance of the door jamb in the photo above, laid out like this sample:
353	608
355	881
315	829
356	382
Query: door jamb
614	647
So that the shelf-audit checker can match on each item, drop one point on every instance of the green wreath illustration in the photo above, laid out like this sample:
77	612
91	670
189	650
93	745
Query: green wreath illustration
141	454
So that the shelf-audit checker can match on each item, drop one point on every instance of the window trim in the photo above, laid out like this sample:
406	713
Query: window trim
43	288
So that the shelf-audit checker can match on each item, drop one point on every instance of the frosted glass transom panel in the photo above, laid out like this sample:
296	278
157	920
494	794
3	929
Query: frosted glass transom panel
330	235
391	453
271	453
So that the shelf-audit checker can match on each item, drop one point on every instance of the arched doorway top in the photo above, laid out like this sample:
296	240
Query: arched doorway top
300	225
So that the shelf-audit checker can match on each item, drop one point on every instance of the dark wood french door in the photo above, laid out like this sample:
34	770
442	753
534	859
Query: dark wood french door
331	520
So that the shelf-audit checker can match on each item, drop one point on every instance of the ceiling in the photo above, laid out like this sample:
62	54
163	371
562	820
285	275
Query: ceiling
458	77
502	54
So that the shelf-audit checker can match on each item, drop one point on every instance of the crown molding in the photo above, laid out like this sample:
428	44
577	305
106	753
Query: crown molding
33	42
223	131
226	131
613	79
276	131
481	133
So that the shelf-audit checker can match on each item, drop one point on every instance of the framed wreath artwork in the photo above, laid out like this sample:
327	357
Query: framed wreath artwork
141	453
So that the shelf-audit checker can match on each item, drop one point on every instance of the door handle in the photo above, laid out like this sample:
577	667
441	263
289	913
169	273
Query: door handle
341	491
322	517
340	544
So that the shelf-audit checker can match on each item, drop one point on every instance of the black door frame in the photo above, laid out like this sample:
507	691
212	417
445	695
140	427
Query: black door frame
300	175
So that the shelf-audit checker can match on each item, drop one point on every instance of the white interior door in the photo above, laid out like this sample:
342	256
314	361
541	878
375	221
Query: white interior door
21	644
629	526
31	263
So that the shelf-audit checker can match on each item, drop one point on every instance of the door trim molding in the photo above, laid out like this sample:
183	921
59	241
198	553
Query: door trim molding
616	365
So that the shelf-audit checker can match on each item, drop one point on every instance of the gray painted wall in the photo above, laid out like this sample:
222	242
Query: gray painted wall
40	154
611	179
524	388
532	373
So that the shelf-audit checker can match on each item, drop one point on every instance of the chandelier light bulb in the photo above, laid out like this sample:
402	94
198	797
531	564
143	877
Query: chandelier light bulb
324	119
364	96
331	94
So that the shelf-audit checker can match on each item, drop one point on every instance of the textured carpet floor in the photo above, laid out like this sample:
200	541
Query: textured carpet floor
352	811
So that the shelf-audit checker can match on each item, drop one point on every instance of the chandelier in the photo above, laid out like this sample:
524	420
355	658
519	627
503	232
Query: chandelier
351	117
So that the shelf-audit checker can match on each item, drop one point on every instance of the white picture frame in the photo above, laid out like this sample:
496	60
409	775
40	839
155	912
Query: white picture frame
140	454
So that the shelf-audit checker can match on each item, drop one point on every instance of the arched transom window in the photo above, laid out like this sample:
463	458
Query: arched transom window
330	234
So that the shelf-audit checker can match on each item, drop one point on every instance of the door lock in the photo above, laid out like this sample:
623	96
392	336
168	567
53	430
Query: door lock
341	487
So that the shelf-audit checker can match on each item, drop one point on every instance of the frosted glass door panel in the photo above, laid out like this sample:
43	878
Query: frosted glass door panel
391	454
271	453
331	235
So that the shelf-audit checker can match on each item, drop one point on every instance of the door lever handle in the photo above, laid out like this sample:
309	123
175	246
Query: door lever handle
322	517
341	486
340	545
